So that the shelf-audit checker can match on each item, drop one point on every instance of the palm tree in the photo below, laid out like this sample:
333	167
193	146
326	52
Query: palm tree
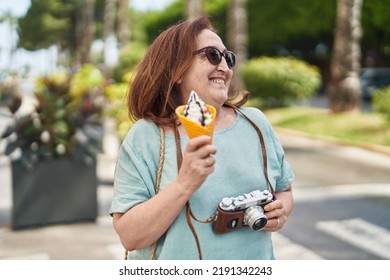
109	18
85	29
108	32
344	87
123	22
194	8
238	37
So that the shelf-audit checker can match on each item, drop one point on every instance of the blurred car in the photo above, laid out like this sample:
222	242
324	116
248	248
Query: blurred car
372	79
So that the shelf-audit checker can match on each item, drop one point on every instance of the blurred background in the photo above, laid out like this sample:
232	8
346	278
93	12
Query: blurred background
320	70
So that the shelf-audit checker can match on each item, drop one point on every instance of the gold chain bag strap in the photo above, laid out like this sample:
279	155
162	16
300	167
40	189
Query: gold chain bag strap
157	187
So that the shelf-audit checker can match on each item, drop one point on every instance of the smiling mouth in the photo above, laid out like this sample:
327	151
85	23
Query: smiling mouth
218	81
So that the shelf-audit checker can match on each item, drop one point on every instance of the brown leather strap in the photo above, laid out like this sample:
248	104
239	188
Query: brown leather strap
189	213
191	225
188	207
263	149
262	144
179	154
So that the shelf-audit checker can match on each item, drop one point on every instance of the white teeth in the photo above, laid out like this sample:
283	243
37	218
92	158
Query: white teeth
218	81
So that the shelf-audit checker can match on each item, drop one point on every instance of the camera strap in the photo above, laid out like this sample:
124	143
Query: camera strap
189	213
213	218
262	144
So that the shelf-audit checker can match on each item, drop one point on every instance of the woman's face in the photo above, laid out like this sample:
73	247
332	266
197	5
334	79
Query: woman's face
211	82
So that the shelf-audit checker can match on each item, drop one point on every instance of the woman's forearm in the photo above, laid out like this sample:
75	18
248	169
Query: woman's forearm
143	224
287	199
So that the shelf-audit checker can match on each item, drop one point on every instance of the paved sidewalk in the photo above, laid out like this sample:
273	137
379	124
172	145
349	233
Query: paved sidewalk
91	240
98	240
88	241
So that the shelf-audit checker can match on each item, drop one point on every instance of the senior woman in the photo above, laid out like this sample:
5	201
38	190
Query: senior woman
196	175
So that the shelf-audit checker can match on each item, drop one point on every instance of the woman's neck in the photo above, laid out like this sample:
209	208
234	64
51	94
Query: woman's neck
225	117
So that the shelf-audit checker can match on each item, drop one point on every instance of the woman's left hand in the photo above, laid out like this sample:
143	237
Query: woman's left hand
278	210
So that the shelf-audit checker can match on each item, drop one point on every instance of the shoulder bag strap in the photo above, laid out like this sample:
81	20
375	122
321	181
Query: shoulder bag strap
157	186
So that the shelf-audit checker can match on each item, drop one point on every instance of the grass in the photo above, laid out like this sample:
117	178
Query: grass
356	128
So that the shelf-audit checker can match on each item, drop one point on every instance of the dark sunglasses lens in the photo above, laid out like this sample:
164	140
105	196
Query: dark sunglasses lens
214	56
230	59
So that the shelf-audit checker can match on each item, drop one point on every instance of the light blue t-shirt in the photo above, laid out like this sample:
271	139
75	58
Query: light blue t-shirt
238	170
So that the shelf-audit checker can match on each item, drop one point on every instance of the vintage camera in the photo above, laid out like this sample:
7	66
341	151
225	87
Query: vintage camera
243	210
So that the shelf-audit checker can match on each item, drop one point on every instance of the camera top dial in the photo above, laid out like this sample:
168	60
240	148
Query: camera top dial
241	202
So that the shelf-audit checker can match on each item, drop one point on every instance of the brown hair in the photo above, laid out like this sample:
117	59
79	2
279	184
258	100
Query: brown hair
153	92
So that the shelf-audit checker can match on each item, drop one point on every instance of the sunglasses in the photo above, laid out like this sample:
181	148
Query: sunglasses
214	55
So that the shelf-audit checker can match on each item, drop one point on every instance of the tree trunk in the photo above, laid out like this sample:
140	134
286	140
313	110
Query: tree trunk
344	87
238	38
123	23
110	42
194	8
109	18
85	29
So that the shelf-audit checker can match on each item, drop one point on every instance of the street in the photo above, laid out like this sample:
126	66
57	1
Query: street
342	205
342	200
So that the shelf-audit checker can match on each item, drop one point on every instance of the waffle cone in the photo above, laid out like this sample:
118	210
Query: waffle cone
195	129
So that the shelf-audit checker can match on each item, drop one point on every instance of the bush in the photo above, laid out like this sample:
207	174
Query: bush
65	121
117	110
280	81
381	102
128	58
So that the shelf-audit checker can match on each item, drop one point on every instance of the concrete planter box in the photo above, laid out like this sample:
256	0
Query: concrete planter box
55	191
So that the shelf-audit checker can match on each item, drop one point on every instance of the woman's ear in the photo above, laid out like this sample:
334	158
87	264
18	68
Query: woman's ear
178	82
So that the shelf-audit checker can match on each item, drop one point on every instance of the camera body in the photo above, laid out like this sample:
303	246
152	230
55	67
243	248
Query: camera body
243	210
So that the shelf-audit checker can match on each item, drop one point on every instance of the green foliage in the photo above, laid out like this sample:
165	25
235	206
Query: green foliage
279	81
137	22
215	7
46	23
376	30
99	17
218	10
128	58
116	94
376	15
60	124
53	22
277	26
158	21
381	102
294	24
357	128
87	80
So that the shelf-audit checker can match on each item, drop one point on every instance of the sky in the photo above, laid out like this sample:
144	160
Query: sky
18	8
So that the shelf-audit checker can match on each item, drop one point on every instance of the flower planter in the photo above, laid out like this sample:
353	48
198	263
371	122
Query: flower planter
55	191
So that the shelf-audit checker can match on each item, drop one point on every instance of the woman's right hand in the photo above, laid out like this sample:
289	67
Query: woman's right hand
197	164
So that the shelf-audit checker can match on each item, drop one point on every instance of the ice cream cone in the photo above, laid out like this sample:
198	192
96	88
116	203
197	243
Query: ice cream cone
195	129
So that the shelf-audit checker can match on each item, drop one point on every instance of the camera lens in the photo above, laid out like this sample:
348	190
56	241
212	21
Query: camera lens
259	224
255	218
